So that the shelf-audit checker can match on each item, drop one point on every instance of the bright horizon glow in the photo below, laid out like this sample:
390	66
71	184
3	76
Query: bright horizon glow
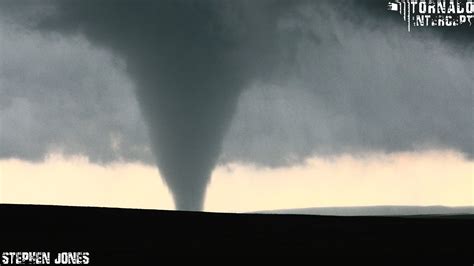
421	178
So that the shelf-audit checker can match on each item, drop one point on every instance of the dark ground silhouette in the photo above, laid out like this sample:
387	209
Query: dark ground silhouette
127	236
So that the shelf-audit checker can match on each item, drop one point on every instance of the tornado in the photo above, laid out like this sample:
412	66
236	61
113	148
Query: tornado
189	60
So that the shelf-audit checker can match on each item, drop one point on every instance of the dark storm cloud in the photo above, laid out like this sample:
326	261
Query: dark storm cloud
360	88
325	77
63	95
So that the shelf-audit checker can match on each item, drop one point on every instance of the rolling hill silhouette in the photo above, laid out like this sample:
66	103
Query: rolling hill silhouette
388	210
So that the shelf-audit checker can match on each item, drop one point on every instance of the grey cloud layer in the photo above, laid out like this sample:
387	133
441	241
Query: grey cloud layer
63	95
415	94
358	90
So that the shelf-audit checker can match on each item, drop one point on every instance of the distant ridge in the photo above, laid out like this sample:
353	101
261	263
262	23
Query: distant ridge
378	211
